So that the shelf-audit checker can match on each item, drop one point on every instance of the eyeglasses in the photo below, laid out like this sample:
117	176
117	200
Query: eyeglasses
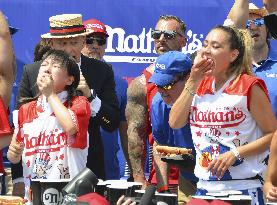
168	86
100	41
156	34
257	22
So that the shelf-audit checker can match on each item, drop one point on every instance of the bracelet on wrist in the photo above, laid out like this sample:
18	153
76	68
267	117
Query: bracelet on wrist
189	91
236	153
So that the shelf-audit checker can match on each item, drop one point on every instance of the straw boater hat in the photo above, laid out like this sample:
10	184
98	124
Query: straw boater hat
66	26
253	9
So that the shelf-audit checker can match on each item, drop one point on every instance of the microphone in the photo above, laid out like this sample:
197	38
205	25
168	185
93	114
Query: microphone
147	197
81	184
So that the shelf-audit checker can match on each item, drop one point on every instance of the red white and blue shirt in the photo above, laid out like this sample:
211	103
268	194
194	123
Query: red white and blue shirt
50	154
221	120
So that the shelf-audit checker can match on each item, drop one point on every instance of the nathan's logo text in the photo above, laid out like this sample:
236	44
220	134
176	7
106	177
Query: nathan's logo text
45	140
138	44
52	196
208	118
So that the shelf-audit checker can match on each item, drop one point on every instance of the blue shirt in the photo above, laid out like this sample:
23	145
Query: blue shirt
268	72
113	169
164	134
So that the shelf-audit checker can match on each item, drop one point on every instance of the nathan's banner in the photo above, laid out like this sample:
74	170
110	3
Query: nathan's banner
130	47
139	48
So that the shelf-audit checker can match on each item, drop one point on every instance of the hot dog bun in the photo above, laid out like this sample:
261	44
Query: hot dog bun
11	200
166	150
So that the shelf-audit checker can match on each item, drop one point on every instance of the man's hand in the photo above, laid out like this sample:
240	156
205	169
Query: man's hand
121	201
141	178
83	86
270	5
19	189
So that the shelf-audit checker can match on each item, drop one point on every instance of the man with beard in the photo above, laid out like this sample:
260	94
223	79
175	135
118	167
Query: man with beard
265	67
264	57
95	46
168	35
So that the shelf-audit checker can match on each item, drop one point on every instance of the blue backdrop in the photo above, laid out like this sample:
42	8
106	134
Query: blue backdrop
130	47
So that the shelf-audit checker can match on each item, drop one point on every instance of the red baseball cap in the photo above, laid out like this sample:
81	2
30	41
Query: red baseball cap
93	199
96	26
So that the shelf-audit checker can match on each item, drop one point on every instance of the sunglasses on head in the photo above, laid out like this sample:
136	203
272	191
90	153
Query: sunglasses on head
100	41
156	34
257	22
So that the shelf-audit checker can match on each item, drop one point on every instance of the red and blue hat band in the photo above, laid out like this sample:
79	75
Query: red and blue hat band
67	30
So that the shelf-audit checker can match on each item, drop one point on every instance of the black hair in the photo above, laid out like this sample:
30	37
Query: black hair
176	18
69	64
41	48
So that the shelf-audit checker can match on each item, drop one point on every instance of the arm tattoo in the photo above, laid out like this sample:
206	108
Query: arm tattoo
137	116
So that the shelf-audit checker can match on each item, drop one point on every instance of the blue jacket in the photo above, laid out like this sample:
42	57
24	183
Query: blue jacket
163	134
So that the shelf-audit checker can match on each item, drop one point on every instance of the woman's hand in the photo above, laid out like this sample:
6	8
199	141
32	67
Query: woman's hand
202	66
221	163
270	192
15	151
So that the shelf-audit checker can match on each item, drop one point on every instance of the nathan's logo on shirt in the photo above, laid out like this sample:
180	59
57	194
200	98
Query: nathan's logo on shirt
271	75
220	118
54	139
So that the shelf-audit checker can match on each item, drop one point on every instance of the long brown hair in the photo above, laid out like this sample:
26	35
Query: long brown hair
239	39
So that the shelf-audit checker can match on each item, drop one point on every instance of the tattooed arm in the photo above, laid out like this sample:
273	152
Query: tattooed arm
137	116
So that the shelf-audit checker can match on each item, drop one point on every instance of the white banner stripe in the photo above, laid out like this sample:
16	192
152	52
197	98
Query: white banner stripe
129	59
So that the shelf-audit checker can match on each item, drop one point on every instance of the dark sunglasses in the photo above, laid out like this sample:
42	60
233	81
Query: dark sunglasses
257	22
100	41
168	86
156	34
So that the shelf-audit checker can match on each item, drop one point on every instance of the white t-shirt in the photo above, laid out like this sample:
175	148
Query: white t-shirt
221	121
50	154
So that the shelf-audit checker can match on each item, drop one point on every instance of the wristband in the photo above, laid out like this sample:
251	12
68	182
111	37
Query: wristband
236	153
189	91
